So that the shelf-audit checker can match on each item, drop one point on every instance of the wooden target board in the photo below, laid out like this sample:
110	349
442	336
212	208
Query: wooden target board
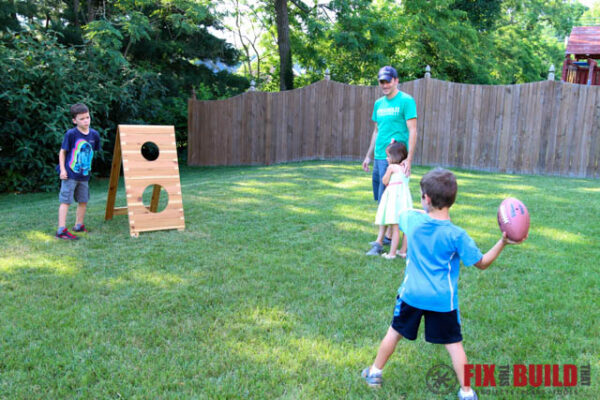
158	167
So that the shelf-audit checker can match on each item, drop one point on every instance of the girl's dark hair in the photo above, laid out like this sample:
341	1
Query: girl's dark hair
397	152
441	187
78	108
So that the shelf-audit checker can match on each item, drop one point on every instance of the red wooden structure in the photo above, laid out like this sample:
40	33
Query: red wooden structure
583	49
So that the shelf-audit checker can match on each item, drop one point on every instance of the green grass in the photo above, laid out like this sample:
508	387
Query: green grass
267	294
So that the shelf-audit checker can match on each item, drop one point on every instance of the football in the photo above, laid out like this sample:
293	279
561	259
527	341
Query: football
513	218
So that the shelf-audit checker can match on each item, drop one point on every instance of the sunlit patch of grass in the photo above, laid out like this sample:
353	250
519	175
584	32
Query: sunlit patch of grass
39	236
245	201
164	280
301	210
518	188
558	235
14	264
349	184
590	189
268	293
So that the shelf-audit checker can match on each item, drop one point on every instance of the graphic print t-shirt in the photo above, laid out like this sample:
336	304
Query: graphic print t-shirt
80	150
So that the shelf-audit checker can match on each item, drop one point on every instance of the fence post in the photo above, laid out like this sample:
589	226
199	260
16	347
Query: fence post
551	73
428	72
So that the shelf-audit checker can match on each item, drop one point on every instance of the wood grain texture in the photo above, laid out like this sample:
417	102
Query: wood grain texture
543	127
140	174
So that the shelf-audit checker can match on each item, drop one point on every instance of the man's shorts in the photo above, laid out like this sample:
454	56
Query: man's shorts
440	327
71	189
379	168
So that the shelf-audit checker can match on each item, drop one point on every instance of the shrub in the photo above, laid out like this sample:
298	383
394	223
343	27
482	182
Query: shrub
39	80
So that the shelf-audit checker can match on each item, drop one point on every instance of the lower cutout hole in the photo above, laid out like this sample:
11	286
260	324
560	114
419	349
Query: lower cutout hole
163	198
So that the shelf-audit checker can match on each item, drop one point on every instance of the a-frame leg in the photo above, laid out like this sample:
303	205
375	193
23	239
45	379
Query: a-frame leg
155	197
113	184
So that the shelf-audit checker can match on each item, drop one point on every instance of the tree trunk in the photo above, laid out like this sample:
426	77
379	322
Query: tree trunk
90	11
238	25
286	76
76	12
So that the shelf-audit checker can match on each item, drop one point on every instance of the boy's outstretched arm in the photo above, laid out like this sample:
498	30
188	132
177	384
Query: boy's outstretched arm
493	253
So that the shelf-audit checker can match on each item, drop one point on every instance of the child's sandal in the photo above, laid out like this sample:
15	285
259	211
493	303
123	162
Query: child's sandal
398	253
388	256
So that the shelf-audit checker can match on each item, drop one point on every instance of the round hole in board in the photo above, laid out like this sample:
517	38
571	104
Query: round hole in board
163	198
150	151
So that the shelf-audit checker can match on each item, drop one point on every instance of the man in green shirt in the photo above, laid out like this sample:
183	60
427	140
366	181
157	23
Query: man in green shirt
395	117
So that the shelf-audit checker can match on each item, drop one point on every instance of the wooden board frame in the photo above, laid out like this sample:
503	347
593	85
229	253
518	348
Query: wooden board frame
139	173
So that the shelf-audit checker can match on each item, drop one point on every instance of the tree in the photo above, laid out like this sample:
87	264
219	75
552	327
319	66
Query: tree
275	19
130	61
286	74
247	25
170	37
444	38
529	37
462	40
592	15
8	15
39	79
351	38
482	14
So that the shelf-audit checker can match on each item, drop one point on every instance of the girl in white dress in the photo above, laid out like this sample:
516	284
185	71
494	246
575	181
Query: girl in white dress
395	199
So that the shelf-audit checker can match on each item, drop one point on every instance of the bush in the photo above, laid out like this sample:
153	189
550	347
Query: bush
39	80
40	77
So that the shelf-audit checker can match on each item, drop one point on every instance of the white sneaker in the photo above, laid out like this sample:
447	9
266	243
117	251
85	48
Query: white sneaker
472	396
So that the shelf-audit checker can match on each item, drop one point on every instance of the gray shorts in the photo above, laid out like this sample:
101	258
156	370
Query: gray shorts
71	189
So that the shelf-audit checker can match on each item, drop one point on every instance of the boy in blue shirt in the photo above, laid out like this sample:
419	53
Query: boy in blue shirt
75	165
435	248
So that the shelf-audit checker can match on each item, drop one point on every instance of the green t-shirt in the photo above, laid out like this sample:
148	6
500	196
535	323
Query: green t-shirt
391	116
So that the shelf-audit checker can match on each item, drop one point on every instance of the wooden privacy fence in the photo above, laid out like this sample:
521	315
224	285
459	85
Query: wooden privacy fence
544	127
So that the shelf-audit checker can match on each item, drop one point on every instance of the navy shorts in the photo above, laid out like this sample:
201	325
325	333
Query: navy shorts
71	189
440	327
379	168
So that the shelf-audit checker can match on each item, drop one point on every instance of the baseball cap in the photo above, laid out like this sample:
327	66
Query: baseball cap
387	73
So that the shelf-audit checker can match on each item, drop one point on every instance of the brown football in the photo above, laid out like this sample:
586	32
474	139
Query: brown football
513	218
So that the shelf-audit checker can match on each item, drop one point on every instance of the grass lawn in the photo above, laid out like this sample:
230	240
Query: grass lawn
267	293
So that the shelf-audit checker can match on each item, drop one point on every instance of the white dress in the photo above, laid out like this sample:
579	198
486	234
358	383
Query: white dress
395	199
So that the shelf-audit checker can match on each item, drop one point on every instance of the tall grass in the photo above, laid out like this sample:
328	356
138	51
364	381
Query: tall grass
267	293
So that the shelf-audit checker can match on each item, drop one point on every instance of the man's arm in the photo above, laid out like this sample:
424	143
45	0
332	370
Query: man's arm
61	162
411	124
369	156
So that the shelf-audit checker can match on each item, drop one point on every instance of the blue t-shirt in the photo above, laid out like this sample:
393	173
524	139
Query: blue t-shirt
391	116
80	150
435	249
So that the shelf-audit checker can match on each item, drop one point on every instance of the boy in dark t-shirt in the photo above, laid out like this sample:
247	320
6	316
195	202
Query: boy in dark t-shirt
75	164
